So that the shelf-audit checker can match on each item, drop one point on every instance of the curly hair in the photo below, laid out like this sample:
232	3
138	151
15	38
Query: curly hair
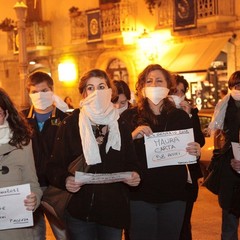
143	106
21	131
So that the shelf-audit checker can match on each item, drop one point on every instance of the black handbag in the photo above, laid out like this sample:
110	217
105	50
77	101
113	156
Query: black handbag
213	180
55	200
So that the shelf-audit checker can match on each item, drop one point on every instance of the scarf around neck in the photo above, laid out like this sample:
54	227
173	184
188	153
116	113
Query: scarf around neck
108	117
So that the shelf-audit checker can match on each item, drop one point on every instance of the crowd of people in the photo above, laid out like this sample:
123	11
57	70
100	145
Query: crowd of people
129	190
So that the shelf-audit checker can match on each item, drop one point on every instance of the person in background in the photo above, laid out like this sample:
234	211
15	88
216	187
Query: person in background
179	97
68	101
121	100
223	92
16	161
121	96
158	203
95	211
45	118
226	120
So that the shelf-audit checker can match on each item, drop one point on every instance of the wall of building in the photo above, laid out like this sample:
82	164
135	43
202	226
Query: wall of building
92	55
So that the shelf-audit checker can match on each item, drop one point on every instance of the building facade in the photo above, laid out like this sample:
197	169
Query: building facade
195	38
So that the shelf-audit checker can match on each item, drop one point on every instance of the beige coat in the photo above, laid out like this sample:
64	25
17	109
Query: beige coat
21	171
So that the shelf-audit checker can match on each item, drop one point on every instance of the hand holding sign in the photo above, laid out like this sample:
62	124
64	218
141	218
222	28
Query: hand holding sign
169	148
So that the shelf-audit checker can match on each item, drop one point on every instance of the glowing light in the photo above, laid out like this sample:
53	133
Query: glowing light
67	72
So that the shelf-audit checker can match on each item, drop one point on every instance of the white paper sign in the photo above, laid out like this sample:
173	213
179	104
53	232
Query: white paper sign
169	148
236	151
13	213
99	178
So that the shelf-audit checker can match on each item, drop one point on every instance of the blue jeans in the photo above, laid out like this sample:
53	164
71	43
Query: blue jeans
79	229
156	221
229	226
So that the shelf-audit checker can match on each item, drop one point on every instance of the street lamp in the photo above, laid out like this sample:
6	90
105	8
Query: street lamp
21	9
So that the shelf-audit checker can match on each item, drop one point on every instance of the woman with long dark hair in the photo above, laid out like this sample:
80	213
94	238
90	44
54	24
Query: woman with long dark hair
16	161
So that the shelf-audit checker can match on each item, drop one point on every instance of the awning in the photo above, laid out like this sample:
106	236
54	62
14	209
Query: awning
195	55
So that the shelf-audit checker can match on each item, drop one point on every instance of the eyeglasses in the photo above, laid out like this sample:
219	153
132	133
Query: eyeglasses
4	170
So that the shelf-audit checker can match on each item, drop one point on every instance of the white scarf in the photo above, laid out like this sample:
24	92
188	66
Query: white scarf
60	104
219	114
91	110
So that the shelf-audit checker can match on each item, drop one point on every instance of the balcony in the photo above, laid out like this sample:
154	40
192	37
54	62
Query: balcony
114	18
38	35
210	13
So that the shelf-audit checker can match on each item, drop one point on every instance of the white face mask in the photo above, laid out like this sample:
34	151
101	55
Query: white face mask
235	94
42	100
155	94
122	109
177	100
98	101
5	132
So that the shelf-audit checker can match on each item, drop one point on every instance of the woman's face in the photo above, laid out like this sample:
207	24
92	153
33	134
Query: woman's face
179	91
121	102
2	116
94	83
156	79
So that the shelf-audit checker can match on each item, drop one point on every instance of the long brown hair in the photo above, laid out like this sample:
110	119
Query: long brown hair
143	107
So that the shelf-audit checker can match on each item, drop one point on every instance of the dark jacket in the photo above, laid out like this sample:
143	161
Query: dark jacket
106	204
195	169
42	142
161	184
230	178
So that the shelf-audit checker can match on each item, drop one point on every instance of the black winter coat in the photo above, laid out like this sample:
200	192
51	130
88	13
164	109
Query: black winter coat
230	178
106	204
161	184
42	142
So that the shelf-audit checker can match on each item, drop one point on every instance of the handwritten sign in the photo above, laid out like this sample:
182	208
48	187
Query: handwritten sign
99	178
13	213
169	148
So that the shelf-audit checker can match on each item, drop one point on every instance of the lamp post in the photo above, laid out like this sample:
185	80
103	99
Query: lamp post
20	9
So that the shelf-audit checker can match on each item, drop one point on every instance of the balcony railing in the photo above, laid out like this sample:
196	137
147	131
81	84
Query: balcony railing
38	35
115	18
223	10
209	8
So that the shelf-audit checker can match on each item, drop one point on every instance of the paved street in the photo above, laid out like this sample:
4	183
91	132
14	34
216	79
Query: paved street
206	219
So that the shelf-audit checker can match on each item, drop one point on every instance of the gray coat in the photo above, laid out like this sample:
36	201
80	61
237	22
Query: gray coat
21	171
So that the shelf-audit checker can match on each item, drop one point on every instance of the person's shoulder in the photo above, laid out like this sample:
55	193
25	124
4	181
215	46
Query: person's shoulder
179	113
25	111
73	117
129	112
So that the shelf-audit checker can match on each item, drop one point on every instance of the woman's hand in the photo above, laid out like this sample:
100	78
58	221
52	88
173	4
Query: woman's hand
194	149
71	185
30	202
186	106
134	180
140	131
235	164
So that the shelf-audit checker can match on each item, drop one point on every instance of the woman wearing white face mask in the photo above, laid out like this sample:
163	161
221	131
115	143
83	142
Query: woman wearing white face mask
158	204
226	120
95	211
179	98
121	96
